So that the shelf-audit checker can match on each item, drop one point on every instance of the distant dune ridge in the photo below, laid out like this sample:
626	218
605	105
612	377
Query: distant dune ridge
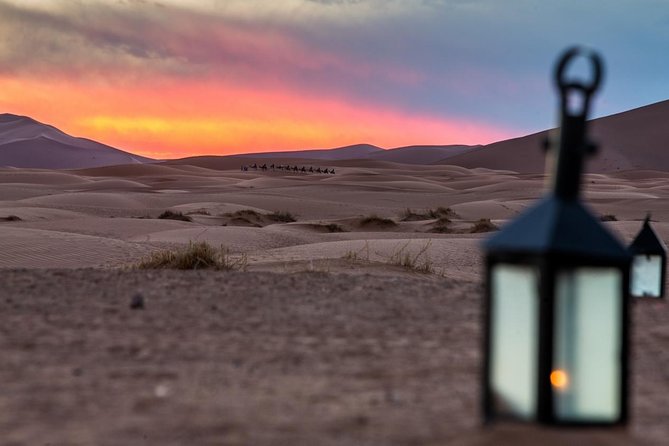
635	139
25	142
423	154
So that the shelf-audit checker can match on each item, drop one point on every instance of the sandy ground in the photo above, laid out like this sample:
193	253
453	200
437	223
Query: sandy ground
267	359
324	340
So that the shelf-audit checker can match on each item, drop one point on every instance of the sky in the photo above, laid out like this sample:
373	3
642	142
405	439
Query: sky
175	78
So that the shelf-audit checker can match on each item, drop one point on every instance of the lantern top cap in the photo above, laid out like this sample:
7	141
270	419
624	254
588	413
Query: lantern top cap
647	241
570	55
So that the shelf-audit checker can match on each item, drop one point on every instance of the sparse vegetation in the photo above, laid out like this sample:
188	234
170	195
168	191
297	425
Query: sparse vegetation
375	220
442	225
483	225
409	215
608	217
244	217
282	217
442	212
242	213
253	218
360	255
171	215
198	255
430	214
11	218
334	227
198	212
419	262
416	261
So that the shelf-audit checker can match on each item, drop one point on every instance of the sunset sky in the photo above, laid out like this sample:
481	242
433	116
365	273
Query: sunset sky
174	78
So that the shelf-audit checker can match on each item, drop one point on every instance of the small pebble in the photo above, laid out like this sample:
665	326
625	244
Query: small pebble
137	302
161	391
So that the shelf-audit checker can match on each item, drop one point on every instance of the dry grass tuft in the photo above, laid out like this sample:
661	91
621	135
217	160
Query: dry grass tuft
171	215
419	261
375	220
253	218
334	227
198	212
11	218
243	213
362	255
430	214
442	212
442	225
200	255
483	225
282	217
608	217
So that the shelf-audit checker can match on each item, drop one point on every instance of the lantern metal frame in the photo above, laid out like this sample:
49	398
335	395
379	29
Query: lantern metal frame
555	235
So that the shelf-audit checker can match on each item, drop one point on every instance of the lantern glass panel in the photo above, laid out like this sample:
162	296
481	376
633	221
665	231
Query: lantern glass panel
647	275
514	340
586	375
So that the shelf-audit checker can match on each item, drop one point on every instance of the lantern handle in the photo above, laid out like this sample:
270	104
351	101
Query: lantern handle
567	86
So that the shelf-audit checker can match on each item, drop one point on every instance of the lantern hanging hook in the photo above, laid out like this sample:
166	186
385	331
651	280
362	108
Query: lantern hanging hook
570	87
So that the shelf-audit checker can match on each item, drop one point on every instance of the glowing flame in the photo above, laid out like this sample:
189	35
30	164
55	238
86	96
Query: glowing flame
559	379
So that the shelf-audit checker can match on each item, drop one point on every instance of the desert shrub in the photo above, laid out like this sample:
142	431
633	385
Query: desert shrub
334	227
199	212
377	221
242	213
483	225
409	215
254	218
608	217
282	216
441	225
244	217
441	212
198	255
11	218
360	255
171	215
419	262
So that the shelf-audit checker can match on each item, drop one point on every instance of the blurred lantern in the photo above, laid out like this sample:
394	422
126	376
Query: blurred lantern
649	263
557	294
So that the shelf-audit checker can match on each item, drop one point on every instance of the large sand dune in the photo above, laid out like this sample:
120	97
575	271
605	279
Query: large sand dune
25	142
635	139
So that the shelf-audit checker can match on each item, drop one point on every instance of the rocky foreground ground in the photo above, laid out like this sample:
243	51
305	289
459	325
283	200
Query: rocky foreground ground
231	358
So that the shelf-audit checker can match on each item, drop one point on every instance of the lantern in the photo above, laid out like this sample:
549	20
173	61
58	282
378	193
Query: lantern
649	263
556	304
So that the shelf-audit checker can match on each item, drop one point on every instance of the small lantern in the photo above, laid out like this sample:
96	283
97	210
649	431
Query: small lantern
556	334
649	263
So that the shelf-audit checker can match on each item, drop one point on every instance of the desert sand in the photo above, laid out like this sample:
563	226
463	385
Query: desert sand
322	339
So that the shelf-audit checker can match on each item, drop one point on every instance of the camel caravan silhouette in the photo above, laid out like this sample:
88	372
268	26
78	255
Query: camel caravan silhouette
288	168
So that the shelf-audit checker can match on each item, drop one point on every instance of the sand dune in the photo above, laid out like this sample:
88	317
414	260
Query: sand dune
632	140
123	203
25	142
417	154
34	248
420	154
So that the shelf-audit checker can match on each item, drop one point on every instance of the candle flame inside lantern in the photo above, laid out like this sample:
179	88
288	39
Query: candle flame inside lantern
559	379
